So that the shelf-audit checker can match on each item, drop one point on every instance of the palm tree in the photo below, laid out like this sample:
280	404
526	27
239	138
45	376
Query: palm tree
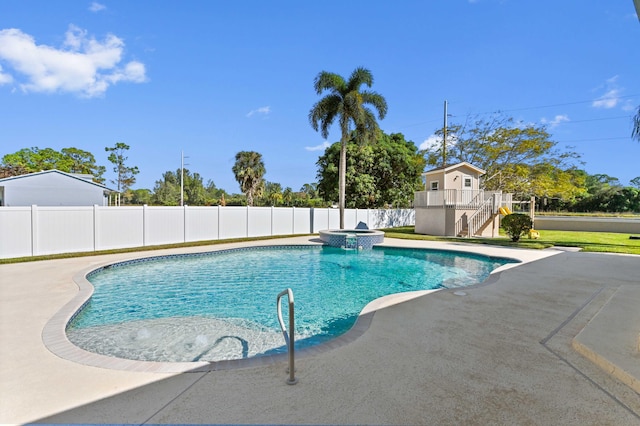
635	134
310	189
249	170
287	196
346	102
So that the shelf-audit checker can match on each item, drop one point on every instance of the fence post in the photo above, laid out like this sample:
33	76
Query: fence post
34	230
95	227
532	211
356	221
144	225
184	223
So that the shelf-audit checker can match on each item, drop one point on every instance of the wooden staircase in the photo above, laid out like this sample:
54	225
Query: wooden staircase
480	219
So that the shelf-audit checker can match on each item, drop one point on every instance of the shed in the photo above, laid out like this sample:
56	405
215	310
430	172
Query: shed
52	188
453	204
461	176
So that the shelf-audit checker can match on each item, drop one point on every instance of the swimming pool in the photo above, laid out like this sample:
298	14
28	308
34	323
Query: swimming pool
221	305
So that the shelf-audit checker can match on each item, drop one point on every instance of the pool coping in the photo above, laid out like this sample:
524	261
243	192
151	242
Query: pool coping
56	341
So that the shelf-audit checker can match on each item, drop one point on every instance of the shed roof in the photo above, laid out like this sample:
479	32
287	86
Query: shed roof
81	177
447	169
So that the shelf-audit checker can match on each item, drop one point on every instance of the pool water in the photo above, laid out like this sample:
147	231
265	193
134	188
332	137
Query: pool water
222	305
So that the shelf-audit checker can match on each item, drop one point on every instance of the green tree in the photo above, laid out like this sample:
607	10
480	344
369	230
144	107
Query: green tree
518	158
287	196
83	162
272	195
70	160
141	196
635	182
397	169
194	191
606	194
11	170
601	182
347	103
167	192
249	171
310	190
214	195
308	196
385	173
125	175
36	159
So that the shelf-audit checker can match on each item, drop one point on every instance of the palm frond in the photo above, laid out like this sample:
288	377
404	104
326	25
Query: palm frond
324	112
376	100
366	125
358	77
328	81
635	134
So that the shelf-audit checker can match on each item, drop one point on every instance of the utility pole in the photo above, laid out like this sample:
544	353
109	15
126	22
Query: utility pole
444	139
182	164
182	178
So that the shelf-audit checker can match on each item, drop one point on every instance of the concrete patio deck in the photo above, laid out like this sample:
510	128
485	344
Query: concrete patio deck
554	340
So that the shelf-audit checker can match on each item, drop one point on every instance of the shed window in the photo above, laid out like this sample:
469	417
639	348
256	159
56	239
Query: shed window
434	185
466	181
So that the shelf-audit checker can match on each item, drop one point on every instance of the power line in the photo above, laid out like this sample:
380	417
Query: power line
559	104
597	119
598	139
540	107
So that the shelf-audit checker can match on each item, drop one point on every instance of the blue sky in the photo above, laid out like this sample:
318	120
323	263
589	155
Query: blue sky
212	78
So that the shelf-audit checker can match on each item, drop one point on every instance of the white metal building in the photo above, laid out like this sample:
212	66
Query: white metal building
52	188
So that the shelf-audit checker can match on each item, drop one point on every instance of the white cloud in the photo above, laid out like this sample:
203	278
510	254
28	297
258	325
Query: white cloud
432	142
556	121
97	7
83	65
324	145
265	110
608	100
5	78
611	98
628	105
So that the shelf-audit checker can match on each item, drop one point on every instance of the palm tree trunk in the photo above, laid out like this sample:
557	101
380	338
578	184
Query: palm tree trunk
342	174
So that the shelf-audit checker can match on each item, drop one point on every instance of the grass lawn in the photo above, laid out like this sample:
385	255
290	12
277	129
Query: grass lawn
589	241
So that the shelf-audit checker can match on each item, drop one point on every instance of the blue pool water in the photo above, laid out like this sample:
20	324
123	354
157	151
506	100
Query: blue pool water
221	305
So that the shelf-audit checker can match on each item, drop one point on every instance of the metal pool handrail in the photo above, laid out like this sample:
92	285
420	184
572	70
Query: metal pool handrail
288	338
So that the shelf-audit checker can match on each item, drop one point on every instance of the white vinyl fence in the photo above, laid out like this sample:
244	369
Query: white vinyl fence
40	230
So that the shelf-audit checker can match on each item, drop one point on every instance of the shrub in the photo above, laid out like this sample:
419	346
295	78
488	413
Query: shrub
516	225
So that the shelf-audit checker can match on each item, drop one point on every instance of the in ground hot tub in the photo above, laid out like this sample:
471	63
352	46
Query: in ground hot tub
352	238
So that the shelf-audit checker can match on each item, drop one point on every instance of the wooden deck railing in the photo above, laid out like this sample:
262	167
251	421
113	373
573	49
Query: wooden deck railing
458	198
